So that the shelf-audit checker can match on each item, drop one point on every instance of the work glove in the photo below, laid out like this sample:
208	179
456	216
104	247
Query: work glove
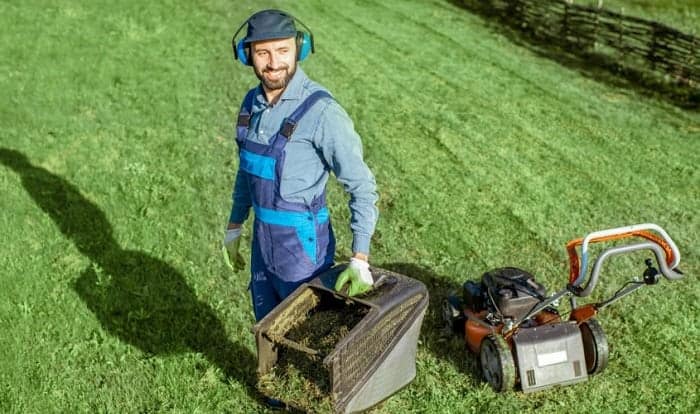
358	275
231	249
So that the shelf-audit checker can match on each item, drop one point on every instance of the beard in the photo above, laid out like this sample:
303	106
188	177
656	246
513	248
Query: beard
279	83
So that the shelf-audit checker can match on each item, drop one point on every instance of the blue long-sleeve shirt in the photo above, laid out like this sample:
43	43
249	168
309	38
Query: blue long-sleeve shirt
324	140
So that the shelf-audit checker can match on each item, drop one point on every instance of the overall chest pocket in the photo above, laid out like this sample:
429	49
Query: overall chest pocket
258	165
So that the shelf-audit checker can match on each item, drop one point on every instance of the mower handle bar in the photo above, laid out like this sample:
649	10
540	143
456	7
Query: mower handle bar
673	260
666	270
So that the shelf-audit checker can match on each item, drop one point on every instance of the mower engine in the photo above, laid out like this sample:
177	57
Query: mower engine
508	319
508	293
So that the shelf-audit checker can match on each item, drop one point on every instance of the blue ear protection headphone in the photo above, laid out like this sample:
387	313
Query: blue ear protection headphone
304	41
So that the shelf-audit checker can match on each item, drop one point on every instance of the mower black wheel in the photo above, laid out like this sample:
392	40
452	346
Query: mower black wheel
595	346
497	363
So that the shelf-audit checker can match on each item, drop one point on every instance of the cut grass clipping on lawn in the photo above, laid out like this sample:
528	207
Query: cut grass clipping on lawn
117	161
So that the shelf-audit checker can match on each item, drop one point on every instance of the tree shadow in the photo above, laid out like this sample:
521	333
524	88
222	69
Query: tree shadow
444	345
140	299
598	66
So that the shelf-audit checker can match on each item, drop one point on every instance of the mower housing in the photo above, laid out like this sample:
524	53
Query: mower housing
375	358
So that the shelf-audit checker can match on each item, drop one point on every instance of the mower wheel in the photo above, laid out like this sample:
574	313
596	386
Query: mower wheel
595	346
497	363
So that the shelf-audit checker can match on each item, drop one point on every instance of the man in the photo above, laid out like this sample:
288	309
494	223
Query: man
291	133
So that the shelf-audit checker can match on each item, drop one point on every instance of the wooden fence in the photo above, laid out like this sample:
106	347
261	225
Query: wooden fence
645	49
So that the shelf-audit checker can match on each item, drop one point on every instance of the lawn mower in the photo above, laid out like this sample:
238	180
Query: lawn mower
515	328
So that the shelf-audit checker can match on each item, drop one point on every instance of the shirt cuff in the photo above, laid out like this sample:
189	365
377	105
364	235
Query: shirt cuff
360	243
239	215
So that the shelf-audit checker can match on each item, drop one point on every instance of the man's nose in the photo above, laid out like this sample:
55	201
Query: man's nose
274	61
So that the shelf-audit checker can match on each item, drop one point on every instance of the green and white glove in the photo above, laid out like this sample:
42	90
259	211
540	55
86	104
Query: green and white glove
358	275
231	250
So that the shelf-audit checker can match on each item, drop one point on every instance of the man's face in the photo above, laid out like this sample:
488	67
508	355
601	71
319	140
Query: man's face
274	62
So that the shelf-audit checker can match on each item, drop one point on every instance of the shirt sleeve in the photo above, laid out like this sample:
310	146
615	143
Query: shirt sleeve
341	147
241	199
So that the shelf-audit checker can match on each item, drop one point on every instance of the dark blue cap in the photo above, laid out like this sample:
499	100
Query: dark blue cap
270	24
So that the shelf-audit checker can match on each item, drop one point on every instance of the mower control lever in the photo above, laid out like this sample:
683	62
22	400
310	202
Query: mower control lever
651	274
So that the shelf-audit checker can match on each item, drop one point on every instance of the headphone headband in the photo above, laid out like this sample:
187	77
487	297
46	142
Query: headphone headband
305	41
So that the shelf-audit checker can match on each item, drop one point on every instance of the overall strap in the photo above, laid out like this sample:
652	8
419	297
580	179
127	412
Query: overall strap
290	123
244	116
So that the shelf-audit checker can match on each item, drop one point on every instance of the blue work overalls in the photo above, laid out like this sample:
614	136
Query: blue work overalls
292	242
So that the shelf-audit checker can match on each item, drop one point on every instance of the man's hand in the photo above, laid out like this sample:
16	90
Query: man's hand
230	249
358	275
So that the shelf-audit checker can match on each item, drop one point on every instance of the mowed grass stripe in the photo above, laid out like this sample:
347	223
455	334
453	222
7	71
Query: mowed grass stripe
550	92
547	99
423	137
597	164
372	138
421	150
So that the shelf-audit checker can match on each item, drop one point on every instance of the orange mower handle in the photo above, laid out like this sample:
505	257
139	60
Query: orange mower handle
658	241
574	263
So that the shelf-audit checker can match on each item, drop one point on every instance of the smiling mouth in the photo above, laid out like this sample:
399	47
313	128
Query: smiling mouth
275	74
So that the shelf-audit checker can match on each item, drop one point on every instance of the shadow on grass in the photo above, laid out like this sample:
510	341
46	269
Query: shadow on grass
138	298
434	337
603	68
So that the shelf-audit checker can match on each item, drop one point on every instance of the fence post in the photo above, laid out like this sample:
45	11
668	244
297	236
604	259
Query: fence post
596	25
692	62
620	35
565	24
653	44
512	10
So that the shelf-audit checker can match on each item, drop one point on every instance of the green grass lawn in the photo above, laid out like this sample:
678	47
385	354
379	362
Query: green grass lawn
117	160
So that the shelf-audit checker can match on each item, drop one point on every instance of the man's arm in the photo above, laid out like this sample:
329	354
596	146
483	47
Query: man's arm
239	213
241	201
342	150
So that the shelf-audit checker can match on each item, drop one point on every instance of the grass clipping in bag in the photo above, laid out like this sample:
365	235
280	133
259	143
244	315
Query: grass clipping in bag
300	379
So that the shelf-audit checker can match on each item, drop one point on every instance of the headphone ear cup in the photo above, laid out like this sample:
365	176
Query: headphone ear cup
303	45
242	53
